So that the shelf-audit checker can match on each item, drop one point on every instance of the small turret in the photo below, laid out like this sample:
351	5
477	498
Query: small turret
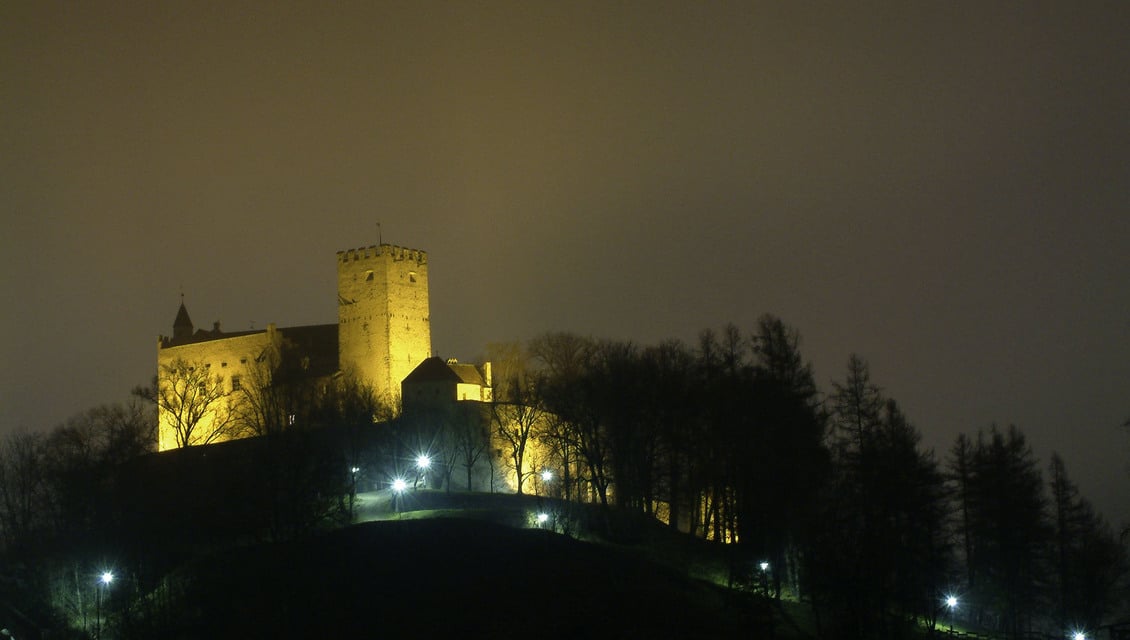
182	326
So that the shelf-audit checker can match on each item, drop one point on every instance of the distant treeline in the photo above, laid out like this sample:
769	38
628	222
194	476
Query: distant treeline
732	440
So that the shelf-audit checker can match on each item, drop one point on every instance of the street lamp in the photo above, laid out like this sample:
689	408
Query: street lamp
1078	635
352	489
951	604
423	462
398	487
546	475
542	518
764	566
104	583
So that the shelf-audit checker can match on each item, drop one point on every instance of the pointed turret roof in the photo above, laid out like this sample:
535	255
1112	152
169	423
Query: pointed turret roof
182	326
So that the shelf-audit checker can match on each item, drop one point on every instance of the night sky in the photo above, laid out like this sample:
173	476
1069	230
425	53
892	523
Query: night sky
941	187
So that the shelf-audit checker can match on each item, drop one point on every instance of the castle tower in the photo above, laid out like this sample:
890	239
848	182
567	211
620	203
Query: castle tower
384	327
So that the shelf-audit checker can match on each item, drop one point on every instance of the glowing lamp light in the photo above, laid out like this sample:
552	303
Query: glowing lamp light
951	601
764	566
354	469
399	485
1078	635
546	475
423	461
542	518
107	577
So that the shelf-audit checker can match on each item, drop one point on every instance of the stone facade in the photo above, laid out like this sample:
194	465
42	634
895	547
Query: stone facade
436	382
229	360
383	332
383	315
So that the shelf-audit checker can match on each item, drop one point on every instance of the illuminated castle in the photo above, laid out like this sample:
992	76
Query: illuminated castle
382	333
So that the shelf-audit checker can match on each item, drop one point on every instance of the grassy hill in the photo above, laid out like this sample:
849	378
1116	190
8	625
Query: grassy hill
449	577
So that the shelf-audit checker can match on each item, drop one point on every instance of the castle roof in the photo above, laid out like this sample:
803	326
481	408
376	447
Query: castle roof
468	374
435	369
432	369
182	318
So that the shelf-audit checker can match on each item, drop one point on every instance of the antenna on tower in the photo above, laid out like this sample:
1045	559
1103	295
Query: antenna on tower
380	239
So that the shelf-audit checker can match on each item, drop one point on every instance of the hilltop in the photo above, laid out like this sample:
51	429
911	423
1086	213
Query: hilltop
457	577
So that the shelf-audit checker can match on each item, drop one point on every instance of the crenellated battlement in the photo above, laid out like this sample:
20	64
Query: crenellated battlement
382	251
383	332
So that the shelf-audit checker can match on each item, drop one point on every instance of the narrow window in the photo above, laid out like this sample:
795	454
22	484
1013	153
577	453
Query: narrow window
235	383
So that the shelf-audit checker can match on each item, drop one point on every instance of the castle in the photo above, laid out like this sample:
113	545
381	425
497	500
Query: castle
382	334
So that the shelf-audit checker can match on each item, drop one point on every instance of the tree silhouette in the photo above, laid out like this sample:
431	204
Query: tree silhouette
1088	559
193	403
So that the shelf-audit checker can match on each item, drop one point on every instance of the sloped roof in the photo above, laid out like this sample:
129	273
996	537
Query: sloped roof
468	374
433	369
182	318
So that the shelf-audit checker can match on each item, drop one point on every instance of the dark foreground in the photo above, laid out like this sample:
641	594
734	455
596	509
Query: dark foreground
450	578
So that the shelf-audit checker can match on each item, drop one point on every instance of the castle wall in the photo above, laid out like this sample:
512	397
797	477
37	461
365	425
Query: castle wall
383	333
383	315
231	359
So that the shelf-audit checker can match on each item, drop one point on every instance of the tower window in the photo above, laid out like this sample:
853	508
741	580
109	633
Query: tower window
235	383
368	276
411	276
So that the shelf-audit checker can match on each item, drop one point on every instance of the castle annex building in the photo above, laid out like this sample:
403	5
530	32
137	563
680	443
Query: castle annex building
383	332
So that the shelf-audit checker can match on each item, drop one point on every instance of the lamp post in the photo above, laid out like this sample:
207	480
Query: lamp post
423	463
103	583
951	604
352	489
545	475
398	487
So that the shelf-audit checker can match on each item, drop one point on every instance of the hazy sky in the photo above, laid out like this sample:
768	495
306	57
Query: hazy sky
941	187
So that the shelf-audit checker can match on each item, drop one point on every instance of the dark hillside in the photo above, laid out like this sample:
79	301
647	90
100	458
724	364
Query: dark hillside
446	578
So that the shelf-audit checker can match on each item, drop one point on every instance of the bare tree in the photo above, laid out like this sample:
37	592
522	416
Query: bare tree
514	425
23	485
471	438
261	405
517	409
193	403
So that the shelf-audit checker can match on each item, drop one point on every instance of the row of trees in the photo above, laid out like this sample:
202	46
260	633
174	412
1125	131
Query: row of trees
88	496
732	440
57	510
